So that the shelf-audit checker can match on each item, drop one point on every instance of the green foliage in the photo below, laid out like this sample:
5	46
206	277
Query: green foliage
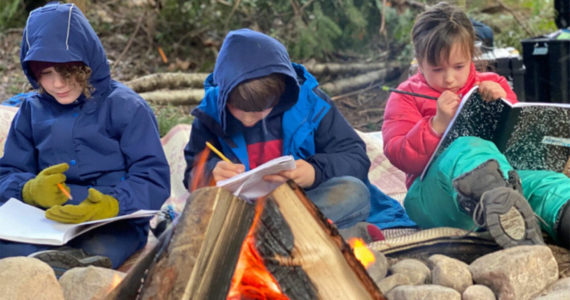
170	116
309	29
533	18
12	14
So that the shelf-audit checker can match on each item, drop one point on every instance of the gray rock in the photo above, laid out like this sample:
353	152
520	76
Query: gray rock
416	270
516	273
89	282
478	292
28	278
421	292
379	268
558	290
450	272
394	280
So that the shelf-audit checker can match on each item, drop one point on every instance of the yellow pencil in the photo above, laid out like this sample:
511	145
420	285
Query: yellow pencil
64	191
220	154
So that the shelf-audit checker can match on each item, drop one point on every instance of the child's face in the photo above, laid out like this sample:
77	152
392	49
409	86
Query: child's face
65	91
451	74
248	118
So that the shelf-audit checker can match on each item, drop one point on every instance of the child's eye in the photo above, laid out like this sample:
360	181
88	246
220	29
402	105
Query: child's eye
459	67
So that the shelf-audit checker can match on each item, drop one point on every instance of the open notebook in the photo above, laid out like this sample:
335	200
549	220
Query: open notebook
20	222
250	185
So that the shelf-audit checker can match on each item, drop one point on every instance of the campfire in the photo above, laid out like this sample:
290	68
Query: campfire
222	247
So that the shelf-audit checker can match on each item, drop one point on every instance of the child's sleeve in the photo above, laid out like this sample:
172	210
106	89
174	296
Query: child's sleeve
18	165
339	151
147	183
409	139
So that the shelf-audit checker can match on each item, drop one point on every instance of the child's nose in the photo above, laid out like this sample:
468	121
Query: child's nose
58	81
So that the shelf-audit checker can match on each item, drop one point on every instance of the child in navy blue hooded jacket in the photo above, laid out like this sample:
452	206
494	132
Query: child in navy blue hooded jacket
259	106
84	131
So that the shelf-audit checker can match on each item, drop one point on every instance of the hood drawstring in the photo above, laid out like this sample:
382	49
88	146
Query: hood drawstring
68	27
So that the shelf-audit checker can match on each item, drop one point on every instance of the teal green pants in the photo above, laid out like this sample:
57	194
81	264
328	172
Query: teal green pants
431	202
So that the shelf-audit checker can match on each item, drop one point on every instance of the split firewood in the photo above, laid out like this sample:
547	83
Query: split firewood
173	81
174	97
305	253
198	258
204	255
355	82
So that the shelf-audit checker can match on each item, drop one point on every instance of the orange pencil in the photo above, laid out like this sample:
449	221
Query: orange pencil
64	191
218	152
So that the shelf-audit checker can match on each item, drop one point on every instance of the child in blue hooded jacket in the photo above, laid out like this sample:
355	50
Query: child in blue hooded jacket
258	106
85	132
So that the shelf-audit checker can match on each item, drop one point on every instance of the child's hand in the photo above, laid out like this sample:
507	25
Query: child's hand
303	174
225	170
491	91
447	104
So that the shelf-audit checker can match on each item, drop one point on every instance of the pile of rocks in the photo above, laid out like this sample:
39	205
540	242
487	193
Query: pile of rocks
29	278
523	272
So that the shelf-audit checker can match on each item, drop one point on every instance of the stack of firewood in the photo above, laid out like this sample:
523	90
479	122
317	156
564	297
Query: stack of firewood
335	78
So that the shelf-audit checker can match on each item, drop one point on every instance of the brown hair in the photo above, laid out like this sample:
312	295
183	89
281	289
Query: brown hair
79	72
258	94
437	29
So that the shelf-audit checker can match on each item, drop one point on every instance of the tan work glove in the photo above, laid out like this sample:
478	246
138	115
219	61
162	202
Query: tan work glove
43	190
95	207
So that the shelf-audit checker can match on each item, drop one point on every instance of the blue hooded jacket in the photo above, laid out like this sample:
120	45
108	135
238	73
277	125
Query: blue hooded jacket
110	140
311	126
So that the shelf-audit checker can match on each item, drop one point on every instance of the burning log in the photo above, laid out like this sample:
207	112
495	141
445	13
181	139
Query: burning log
223	248
305	253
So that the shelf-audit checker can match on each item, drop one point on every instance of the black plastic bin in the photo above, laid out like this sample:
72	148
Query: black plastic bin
547	63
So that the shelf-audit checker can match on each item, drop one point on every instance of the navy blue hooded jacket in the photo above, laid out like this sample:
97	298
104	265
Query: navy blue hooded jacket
110	141
305	121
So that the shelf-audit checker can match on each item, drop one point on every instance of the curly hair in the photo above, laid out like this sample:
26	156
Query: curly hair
79	72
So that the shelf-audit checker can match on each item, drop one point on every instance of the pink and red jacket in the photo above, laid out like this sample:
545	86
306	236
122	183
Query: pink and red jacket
409	139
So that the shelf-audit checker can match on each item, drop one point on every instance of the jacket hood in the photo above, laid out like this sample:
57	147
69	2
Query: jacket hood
246	54
60	33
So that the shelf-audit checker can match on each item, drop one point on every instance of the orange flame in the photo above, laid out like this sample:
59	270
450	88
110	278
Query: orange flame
361	251
251	278
199	178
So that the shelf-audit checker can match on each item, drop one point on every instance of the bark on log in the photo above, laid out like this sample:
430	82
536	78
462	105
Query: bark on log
173	81
174	97
337	68
352	83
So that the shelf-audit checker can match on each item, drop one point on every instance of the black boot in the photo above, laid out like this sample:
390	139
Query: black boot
498	205
563	226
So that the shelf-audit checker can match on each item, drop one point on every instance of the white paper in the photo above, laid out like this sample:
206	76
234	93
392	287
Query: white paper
250	185
20	222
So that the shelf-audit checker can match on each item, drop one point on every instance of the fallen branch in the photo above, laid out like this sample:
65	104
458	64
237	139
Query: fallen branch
352	83
336	68
159	81
174	97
